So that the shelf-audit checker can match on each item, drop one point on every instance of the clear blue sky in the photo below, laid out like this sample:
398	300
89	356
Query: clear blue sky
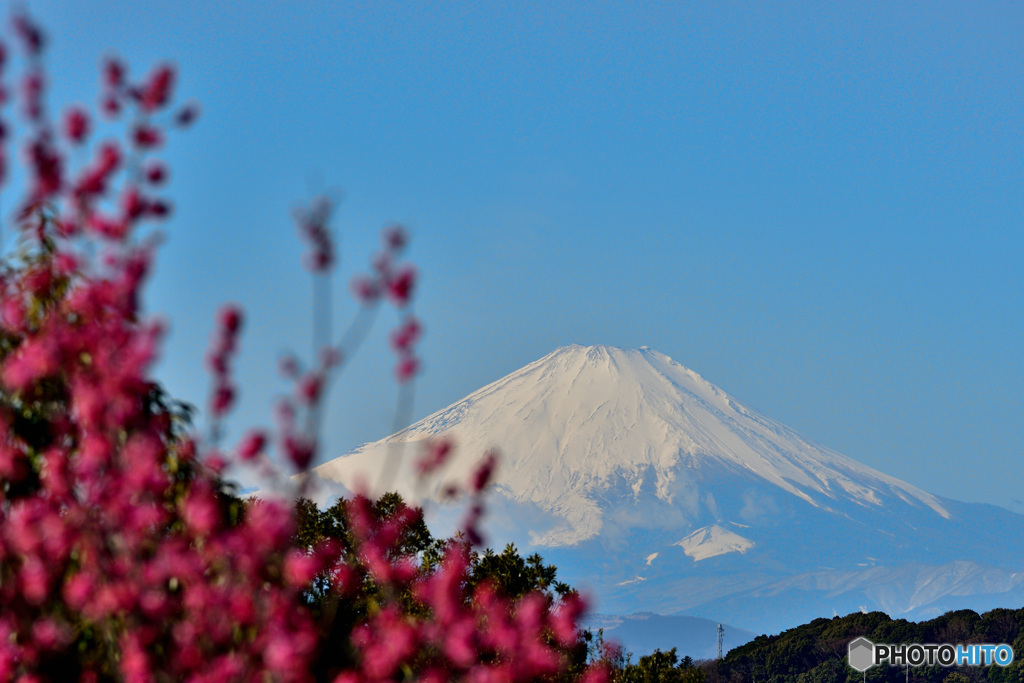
817	206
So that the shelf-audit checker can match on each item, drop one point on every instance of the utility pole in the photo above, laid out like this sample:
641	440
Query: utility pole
721	631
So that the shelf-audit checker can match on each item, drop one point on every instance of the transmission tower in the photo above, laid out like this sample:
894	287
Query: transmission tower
721	632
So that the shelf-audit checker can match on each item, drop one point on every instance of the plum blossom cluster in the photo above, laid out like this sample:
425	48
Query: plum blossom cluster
120	557
397	283
224	345
123	553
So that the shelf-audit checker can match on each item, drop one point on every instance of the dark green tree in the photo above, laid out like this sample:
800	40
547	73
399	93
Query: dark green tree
660	667
515	576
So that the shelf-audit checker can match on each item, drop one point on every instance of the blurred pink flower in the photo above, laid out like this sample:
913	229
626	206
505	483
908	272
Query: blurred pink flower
76	125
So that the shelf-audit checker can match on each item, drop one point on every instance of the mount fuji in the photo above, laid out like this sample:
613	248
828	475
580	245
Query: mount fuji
658	492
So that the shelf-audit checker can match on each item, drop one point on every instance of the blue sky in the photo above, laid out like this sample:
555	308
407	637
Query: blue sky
817	206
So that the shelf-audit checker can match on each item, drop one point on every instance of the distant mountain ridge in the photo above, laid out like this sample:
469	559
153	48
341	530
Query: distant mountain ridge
663	493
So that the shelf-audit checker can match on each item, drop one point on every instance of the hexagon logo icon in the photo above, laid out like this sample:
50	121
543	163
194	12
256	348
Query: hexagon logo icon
862	654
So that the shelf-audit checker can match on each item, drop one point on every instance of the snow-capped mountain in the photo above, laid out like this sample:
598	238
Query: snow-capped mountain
644	481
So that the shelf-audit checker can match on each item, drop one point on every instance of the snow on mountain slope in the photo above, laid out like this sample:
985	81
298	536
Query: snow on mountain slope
586	423
712	541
